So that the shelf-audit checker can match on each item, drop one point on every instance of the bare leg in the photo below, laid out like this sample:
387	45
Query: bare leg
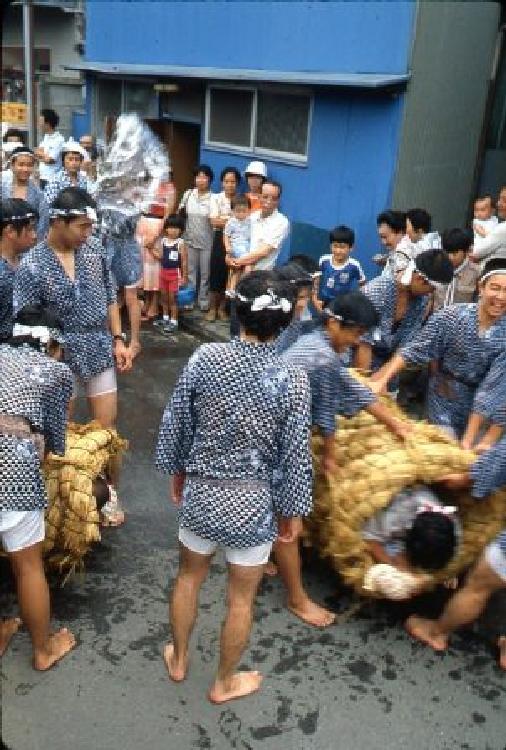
193	569
213	305
502	651
242	587
463	608
134	316
287	556
33	597
222	313
104	409
8	628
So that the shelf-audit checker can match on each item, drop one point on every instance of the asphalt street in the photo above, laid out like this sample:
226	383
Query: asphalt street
361	685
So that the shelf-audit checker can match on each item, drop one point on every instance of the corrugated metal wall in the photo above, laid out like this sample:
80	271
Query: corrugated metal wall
444	108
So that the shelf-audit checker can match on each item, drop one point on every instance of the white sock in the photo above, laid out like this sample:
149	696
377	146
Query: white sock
173	321
166	318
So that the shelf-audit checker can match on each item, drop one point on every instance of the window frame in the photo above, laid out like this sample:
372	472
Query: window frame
271	154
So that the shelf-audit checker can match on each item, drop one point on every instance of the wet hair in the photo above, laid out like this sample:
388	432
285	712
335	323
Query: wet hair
230	170
396	220
50	117
420	219
204	169
17	213
454	240
355	309
342	234
174	220
310	265
35	315
264	324
240	200
21	151
431	541
276	184
435	265
72	199
14	133
494	264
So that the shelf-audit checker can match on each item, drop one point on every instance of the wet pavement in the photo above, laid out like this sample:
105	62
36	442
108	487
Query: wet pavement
362	684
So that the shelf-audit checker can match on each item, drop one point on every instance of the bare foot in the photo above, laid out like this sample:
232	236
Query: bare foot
312	614
424	631
240	685
58	646
271	569
135	348
177	672
502	651
8	628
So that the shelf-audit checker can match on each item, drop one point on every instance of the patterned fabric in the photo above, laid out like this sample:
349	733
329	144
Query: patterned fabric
333	389
123	251
489	470
82	305
471	365
7	273
294	331
239	233
34	196
389	335
38	389
238	424
501	542
462	288
62	180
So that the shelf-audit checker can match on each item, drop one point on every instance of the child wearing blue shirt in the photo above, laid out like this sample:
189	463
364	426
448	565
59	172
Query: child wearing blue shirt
339	272
236	238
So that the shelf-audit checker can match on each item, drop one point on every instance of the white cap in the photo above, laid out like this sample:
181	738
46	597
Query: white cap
256	167
74	147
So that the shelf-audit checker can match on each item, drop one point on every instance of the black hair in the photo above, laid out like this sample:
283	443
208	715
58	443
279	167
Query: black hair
276	184
50	116
420	219
231	170
294	275
240	200
73	198
16	212
310	265
436	265
21	151
494	264
431	541
204	169
35	315
264	324
396	220
14	133
456	239
355	309
174	220
485	197
342	234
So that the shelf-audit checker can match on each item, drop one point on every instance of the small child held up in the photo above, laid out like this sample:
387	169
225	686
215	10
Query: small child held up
236	238
462	288
339	272
484	220
174	268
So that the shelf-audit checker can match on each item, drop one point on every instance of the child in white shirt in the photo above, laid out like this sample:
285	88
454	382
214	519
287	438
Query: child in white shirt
484	220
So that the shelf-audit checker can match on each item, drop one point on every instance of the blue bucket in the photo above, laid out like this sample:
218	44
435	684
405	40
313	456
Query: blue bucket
186	296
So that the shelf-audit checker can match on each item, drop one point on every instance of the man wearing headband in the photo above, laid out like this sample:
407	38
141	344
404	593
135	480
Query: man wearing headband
34	398
70	175
402	302
467	344
235	437
18	182
69	273
18	221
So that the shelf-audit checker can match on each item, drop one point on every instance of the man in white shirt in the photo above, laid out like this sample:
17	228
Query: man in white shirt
269	227
49	150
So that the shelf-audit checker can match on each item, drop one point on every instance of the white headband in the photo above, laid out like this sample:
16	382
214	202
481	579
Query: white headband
330	314
493	273
267	301
88	211
25	152
42	333
22	217
431	507
408	272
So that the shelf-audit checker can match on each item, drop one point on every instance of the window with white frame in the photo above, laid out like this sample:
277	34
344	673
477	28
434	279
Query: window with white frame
260	121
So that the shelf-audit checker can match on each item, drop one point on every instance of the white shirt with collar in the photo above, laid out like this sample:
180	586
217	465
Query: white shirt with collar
269	230
52	144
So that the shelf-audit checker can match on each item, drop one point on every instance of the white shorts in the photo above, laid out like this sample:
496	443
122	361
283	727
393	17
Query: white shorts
496	558
247	556
21	529
99	385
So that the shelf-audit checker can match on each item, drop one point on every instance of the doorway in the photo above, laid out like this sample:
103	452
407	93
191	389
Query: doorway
182	140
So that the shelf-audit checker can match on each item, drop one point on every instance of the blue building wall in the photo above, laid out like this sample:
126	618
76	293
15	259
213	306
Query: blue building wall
351	37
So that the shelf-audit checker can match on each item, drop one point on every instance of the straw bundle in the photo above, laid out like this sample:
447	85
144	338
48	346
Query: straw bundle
373	466
72	518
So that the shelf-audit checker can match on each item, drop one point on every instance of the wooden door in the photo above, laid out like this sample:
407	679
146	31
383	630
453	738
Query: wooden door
182	141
